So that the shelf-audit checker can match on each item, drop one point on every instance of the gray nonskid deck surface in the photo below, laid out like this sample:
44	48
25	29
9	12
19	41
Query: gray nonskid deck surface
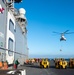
36	70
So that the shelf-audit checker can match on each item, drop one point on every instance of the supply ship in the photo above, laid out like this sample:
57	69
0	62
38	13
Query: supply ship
13	32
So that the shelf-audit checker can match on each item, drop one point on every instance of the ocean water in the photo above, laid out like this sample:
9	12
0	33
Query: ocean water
67	57
53	59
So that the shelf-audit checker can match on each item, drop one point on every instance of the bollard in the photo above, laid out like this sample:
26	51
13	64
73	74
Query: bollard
19	72
23	72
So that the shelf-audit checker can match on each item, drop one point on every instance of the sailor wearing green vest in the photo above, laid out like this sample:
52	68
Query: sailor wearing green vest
16	63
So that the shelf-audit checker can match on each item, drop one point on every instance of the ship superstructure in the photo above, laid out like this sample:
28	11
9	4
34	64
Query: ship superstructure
13	32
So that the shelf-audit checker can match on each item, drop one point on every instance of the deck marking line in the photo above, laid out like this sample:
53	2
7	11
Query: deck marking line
47	72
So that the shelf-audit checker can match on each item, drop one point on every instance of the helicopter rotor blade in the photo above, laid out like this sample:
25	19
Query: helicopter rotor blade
66	31
70	33
56	32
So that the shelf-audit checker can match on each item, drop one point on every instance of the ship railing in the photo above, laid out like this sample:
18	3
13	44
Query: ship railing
3	54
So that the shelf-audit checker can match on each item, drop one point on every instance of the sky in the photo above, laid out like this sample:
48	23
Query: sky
44	17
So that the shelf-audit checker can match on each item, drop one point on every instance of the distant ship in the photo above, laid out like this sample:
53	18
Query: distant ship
13	32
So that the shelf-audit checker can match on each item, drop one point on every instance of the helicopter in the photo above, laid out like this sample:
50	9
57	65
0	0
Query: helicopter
62	35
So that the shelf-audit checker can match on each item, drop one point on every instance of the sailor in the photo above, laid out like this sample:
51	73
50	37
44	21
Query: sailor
16	63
